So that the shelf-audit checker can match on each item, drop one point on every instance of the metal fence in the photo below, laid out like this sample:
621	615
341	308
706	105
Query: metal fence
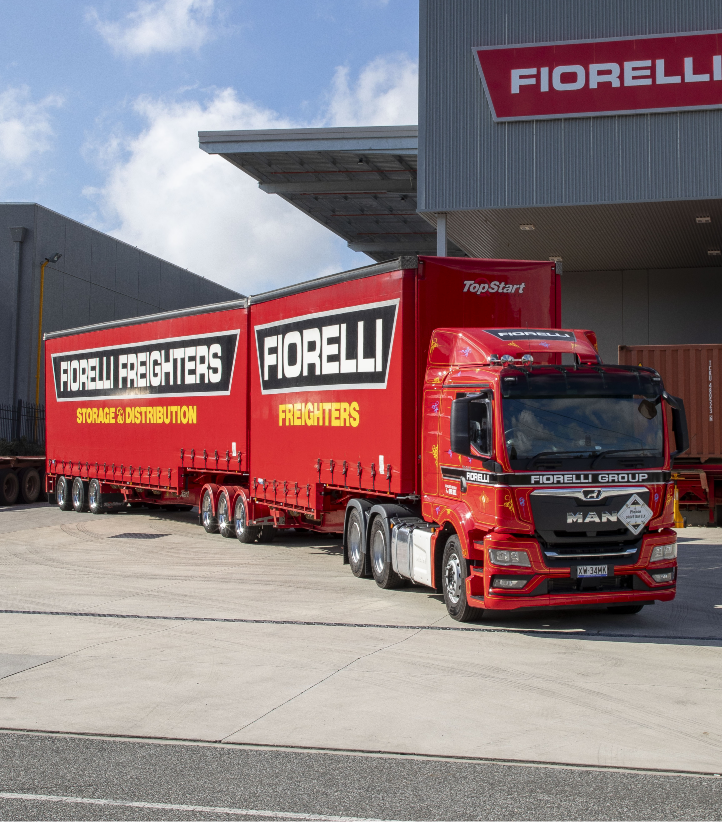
25	420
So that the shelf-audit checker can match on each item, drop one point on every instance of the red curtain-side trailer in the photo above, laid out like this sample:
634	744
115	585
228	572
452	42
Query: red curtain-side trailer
146	410
274	399
337	366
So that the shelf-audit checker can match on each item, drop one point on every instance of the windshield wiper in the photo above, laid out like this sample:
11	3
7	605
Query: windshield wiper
618	451
556	454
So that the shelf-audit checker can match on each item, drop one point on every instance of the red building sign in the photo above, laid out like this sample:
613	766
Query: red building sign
590	78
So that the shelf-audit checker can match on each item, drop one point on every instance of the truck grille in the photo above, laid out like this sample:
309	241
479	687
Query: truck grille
564	555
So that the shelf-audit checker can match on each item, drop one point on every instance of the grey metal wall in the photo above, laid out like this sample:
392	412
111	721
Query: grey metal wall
98	278
466	161
644	307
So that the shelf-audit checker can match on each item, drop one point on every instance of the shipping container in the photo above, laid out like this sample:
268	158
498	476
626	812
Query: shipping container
693	373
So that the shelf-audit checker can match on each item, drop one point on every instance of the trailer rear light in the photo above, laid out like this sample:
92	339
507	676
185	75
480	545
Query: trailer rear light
663	576
520	558
509	583
662	552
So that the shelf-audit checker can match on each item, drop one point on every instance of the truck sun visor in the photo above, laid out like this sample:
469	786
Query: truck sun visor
581	381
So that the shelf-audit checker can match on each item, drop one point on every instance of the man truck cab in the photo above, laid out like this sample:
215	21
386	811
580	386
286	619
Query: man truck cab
550	481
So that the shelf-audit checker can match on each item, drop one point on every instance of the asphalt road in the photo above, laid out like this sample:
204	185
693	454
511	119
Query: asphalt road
183	781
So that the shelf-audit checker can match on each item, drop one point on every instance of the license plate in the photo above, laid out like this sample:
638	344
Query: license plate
592	570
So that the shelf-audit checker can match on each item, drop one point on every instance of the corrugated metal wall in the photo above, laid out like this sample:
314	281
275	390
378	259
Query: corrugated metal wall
466	161
692	373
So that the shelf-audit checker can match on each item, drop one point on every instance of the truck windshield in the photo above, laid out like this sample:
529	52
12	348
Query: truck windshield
583	432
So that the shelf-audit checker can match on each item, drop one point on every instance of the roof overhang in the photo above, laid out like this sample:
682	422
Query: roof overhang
596	237
360	183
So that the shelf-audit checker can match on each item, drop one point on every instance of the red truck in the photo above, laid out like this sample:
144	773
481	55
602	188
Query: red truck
423	408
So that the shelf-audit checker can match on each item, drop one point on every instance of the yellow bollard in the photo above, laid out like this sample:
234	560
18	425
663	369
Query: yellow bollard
678	519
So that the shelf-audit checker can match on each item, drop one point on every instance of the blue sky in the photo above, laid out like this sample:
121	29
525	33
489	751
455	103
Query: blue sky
100	102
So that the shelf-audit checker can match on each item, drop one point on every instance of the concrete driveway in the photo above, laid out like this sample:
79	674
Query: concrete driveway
139	624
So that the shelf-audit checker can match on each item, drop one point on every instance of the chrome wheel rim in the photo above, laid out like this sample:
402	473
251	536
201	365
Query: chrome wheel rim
240	517
222	511
378	552
94	494
61	493
207	510
354	542
76	494
452	579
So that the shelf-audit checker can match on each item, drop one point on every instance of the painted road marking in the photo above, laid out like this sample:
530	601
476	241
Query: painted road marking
164	806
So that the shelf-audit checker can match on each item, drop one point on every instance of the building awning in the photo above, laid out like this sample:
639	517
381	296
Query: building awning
359	183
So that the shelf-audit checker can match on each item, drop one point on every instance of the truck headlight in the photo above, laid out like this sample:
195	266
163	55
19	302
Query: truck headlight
499	557
662	552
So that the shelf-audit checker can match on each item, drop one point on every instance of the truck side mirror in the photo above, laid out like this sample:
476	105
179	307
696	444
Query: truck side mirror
679	424
460	434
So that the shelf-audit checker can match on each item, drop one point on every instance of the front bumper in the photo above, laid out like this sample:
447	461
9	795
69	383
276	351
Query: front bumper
559	586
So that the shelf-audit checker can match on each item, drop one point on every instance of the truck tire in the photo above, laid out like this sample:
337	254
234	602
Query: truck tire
9	487
384	574
354	540
633	608
30	486
63	496
454	571
80	495
208	518
225	519
244	533
95	498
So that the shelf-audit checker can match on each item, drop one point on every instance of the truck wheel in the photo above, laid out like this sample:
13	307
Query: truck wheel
626	609
29	485
268	533
79	495
244	533
62	494
384	574
454	573
95	498
354	542
210	522
9	487
225	521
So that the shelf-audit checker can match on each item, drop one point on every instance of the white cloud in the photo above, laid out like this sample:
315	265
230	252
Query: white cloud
25	128
165	195
158	26
385	94
170	198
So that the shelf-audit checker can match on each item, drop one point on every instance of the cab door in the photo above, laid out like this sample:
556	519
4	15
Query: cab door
430	441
